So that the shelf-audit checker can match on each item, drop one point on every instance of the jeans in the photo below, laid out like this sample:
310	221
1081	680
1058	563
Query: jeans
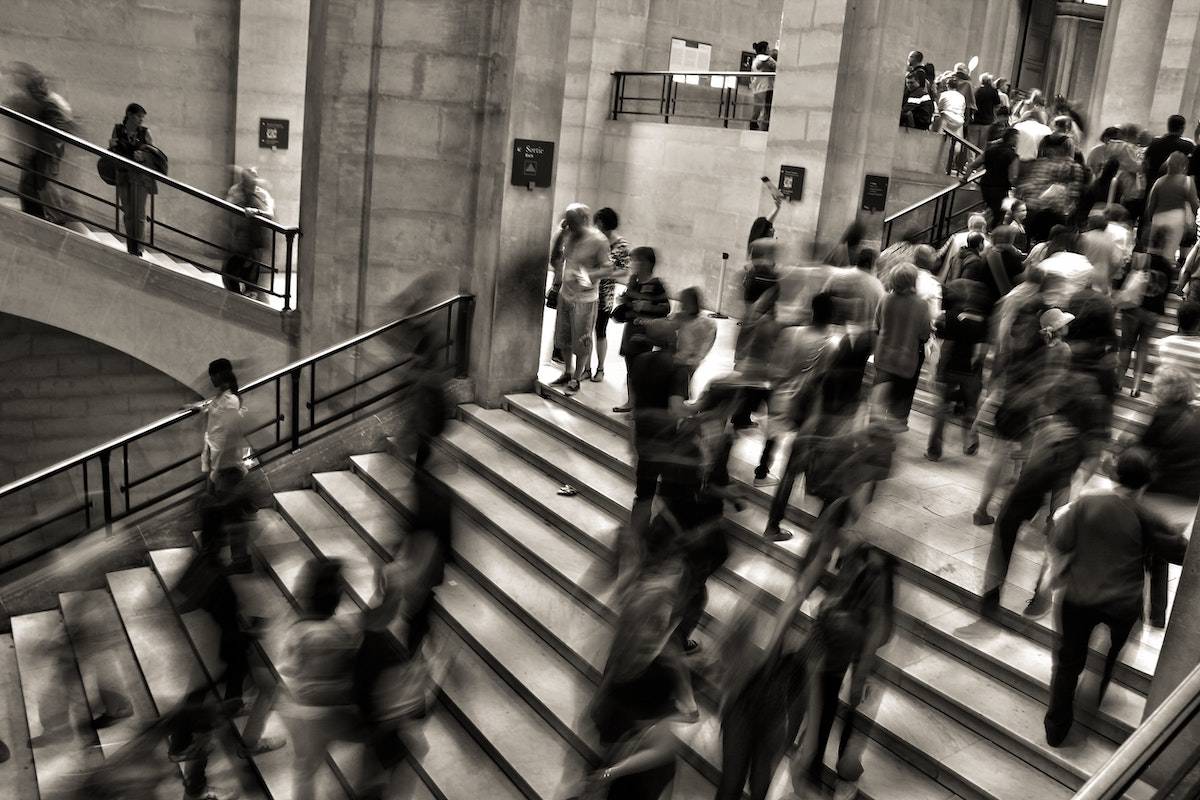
1077	623
955	388
749	748
901	390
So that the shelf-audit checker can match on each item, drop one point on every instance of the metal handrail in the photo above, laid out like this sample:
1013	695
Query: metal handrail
95	149
975	176
457	309
701	73
1146	742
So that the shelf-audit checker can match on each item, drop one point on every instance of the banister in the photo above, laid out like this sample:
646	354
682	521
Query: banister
152	427
700	73
936	196
95	149
970	145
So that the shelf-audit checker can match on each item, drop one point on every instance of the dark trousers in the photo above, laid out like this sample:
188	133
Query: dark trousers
195	719
1043	473
787	482
900	390
645	486
1159	578
132	196
955	389
752	400
30	186
830	683
749	749
1077	623
994	197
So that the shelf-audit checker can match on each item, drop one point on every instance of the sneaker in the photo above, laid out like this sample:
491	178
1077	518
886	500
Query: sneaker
1038	605
199	747
970	448
982	518
777	535
690	647
598	376
265	744
572	386
932	456
766	480
567	490
561	380
622	409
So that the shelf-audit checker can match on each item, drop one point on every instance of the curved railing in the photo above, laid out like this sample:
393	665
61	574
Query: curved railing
86	204
1156	760
107	483
718	97
944	214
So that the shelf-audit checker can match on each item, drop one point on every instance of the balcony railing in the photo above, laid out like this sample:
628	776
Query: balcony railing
946	210
284	410
723	97
181	223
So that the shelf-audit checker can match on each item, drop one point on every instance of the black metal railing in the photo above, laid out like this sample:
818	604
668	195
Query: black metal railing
56	171
288	406
723	97
1161	758
944	211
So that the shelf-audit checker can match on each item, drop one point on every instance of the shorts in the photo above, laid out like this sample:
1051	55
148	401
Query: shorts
574	326
602	318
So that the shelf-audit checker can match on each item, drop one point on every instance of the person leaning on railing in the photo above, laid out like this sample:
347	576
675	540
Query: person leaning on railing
249	237
129	139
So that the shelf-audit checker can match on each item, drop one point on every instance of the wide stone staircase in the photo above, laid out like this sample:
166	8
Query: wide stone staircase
527	613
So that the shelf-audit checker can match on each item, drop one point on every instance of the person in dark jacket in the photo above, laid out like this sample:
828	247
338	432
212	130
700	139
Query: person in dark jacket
1104	540
248	236
130	138
918	107
645	298
43	152
959	373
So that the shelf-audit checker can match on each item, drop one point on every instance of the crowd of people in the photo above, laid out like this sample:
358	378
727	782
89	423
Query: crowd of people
41	189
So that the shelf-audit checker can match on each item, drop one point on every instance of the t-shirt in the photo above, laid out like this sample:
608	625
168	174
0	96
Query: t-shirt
904	324
986	100
952	107
1031	134
1158	152
1066	273
586	250
997	160
762	63
655	378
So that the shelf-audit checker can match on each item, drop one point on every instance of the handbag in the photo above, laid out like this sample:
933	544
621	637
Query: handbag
552	298
1133	290
107	169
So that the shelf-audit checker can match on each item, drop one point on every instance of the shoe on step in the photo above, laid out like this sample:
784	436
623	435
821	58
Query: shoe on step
561	380
777	535
766	480
982	518
598	376
622	409
265	744
1038	605
572	386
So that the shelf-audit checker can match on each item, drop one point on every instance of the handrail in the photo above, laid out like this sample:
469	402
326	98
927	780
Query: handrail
1146	741
975	176
291	404
701	73
963	142
95	149
663	102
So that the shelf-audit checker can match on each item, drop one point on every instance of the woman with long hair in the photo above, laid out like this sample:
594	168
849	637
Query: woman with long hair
1171	205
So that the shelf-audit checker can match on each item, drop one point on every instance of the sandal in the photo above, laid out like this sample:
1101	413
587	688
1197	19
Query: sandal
598	377
567	490
572	386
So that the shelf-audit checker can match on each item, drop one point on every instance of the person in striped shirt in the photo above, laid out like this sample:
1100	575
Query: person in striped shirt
1182	350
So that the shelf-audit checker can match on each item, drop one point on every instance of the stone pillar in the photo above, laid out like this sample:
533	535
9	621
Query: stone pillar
1178	80
272	48
524	99
1138	29
1000	40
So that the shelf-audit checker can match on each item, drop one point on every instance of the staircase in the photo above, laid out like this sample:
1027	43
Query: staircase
527	611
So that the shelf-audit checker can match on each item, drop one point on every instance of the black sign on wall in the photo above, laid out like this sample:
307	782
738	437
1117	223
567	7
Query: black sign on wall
273	133
791	182
746	65
875	190
532	163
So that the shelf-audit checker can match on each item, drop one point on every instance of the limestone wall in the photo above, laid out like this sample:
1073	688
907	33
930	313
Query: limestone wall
178	59
730	27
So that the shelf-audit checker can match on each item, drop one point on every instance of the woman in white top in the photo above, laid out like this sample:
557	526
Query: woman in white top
951	107
225	446
762	87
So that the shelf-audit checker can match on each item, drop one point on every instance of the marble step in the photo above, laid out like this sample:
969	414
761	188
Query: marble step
18	779
559	617
275	767
64	744
106	665
931	553
170	667
450	745
1013	659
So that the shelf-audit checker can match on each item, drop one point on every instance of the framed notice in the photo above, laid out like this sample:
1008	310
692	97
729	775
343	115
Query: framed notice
273	133
875	191
746	65
791	182
688	55
532	164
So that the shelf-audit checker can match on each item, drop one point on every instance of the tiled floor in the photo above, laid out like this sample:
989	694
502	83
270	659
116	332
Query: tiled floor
926	502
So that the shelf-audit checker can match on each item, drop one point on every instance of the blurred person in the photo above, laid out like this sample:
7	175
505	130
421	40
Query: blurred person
607	221
999	267
1181	350
1173	141
987	100
696	333
1103	539
131	138
764	227
1121	232
902	251
845	253
951	107
1133	186
555	264
1099	247
950	253
1063	125
970	258
967	88
586	260
1142	300
904	323
1194	159
1188	273
1051	187
1067	271
1100	154
1002	89
1172	205
761	88
639	694
645	298
1092	337
1002	168
917	107
1056	425
319	648
856	293
1034	104
1031	130
1014	216
42	154
959	376
248	237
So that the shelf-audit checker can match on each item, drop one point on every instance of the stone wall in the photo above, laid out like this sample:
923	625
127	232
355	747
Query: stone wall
730	27
178	59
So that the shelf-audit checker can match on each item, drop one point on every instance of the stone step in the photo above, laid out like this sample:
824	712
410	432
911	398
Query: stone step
450	746
17	774
169	665
564	443
109	670
558	616
1003	654
64	745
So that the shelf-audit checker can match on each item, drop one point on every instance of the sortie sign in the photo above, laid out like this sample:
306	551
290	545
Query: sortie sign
532	163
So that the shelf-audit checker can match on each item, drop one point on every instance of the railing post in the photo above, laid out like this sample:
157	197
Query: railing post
462	337
106	485
662	98
295	409
287	274
616	94
152	220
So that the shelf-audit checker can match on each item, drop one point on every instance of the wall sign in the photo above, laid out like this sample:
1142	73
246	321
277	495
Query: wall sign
875	190
746	65
273	133
533	163
688	55
791	182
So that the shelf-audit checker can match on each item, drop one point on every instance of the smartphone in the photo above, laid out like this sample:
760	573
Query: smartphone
773	189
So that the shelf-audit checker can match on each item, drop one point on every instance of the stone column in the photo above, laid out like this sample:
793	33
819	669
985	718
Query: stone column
1178	83
1126	66
512	223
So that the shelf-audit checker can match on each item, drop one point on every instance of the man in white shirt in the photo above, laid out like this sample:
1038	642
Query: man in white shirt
586	259
762	87
1182	350
1031	131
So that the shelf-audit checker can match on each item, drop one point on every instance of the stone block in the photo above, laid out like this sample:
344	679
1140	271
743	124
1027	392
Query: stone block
406	128
451	78
428	22
16	429
110	405
398	72
819	123
411	184
833	13
457	128
819	46
77	365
